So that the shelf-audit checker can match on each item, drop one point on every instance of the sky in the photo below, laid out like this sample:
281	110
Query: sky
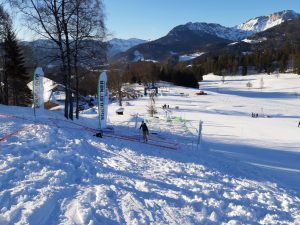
152	19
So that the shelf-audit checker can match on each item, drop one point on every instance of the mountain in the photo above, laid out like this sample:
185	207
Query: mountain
203	37
287	33
275	49
187	38
179	40
278	37
117	45
263	23
229	33
45	50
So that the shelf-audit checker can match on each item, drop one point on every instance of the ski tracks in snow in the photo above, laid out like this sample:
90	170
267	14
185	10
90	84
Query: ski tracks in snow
51	175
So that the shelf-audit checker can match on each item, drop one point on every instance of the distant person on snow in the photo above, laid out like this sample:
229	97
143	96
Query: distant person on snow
299	124
145	131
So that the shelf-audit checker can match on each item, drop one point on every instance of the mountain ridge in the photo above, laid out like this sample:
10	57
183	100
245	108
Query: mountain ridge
200	36
262	23
182	39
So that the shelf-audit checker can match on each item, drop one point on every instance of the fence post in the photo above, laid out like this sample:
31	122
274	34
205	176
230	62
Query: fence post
199	134
136	117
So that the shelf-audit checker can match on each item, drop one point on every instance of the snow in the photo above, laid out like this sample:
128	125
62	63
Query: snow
188	57
230	33
263	23
233	43
246	171
251	41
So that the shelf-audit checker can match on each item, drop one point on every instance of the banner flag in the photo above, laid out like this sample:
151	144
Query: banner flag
103	96
38	90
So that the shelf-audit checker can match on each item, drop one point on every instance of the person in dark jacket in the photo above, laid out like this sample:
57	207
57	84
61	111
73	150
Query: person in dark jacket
145	131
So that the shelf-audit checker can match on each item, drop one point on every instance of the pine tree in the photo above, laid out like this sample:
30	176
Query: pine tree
17	77
4	20
297	63
244	63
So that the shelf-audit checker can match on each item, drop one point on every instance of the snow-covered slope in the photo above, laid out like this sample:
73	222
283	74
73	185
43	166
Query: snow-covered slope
121	45
245	171
218	30
183	58
262	23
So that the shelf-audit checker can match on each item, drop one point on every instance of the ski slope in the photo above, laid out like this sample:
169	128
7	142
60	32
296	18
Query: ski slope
246	170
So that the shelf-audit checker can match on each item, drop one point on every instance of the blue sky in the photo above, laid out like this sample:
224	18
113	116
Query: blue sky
151	19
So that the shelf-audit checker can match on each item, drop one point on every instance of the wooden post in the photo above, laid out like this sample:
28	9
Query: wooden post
199	134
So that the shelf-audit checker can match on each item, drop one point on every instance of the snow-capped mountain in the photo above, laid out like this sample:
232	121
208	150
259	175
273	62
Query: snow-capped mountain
122	45
206	37
263	23
229	33
243	30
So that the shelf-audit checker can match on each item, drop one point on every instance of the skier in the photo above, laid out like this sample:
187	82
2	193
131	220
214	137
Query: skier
145	131
299	124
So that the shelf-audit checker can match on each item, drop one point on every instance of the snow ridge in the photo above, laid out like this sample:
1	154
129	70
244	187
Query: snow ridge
213	29
241	31
263	23
219	30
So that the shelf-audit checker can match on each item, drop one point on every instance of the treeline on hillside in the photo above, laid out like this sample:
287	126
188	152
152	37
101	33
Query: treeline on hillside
149	72
259	59
264	60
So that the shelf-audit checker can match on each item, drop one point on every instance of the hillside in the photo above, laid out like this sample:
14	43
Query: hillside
245	171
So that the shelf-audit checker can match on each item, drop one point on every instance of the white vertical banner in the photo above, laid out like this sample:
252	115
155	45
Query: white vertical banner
103	95
38	90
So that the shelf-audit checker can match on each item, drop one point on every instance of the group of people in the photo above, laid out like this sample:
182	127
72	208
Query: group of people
254	115
165	106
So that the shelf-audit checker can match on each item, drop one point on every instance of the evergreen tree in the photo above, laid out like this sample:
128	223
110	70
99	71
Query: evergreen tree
297	63
17	78
283	62
244	63
184	78
4	20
